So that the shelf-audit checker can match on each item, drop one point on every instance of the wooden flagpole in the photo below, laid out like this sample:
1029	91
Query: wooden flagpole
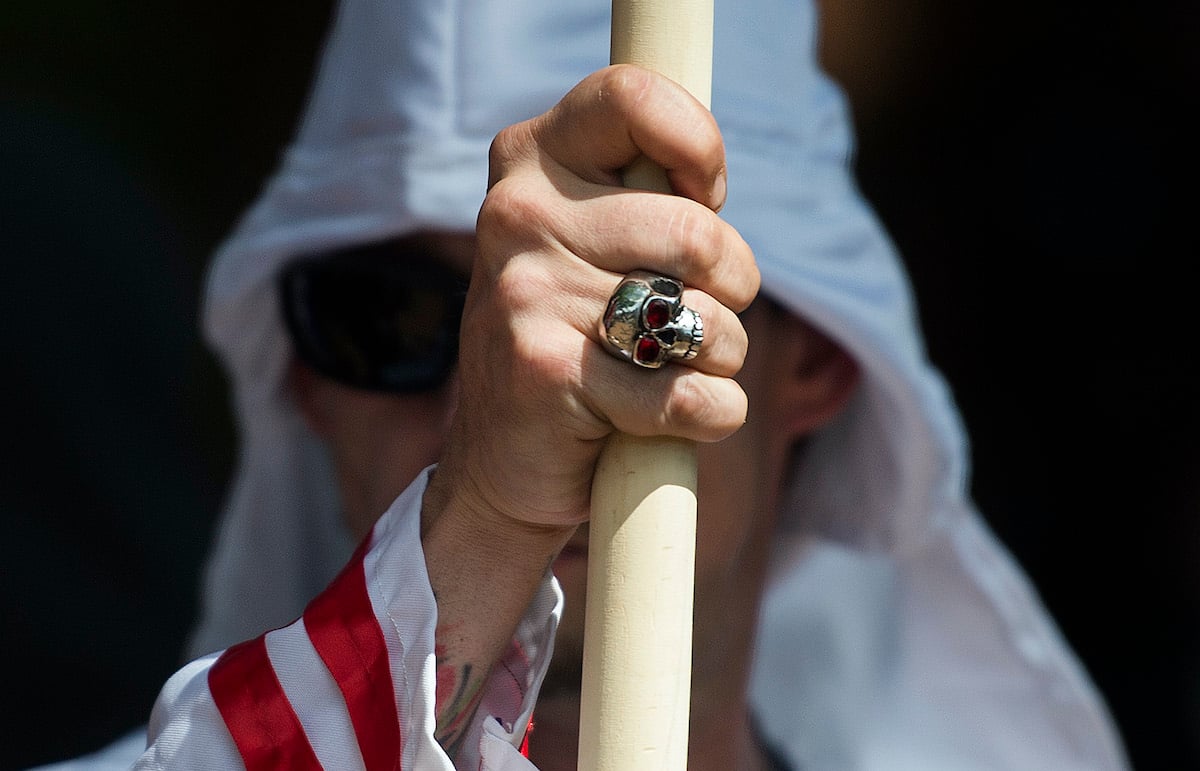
641	563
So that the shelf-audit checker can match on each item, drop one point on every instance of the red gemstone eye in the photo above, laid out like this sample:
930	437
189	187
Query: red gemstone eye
658	313
647	350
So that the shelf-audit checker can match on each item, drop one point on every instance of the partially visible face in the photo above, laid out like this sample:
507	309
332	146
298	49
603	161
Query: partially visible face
380	442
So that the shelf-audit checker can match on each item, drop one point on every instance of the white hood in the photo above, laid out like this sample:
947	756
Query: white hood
922	644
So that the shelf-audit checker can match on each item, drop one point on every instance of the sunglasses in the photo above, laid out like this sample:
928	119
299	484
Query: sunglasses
377	317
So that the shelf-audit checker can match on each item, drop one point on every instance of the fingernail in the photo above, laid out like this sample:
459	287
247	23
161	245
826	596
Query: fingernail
718	192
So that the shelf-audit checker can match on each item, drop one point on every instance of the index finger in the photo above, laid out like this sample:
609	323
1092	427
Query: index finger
622	113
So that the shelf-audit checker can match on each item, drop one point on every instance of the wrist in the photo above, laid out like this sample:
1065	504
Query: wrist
484	569
452	510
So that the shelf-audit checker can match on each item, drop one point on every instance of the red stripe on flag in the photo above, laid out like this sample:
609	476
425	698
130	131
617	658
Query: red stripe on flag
342	627
525	741
260	719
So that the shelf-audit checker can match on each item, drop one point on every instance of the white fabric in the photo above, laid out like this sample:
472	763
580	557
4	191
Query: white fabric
187	732
897	632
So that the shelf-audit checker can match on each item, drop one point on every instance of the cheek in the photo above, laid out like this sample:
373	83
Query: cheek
404	444
730	501
382	442
740	476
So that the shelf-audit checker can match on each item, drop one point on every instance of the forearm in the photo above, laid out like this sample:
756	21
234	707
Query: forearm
335	685
484	570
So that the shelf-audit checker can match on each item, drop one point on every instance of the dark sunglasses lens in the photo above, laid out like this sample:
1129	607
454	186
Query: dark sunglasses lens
388	326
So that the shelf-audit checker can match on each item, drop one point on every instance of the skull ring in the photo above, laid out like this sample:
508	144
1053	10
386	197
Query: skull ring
647	323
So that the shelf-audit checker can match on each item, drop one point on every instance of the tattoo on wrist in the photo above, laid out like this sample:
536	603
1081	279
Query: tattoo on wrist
458	697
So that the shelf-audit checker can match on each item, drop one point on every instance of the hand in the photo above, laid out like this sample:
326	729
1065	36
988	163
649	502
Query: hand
538	394
555	235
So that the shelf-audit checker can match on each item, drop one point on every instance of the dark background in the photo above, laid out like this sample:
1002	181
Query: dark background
1031	160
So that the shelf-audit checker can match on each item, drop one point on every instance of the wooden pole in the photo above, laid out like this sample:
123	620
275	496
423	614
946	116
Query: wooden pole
641	564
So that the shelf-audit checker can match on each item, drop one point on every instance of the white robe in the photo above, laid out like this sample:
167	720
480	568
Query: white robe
896	632
188	728
828	633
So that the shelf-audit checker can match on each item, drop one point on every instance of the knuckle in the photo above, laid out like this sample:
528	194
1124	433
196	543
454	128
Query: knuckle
711	256
705	409
508	147
520	289
736	344
713	140
700	243
624	86
689	407
708	144
543	376
744	280
509	209
733	270
521	357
